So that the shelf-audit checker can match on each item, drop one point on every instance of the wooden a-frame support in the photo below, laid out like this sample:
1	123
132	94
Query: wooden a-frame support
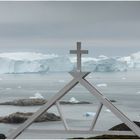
79	77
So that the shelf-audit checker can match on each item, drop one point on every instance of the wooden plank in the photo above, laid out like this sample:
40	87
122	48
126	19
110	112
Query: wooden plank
76	131
62	115
96	116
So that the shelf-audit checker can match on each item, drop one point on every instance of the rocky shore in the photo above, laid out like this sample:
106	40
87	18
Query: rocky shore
38	101
25	102
20	117
119	127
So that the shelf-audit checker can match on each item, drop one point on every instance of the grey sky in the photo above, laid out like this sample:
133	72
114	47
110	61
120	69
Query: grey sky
110	28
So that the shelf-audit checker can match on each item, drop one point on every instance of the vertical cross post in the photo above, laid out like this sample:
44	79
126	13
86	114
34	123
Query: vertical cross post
79	52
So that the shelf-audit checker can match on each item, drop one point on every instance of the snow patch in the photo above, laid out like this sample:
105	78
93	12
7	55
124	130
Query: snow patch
73	100
37	96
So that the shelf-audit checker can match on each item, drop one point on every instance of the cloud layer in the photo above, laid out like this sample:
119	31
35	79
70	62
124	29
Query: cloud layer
49	25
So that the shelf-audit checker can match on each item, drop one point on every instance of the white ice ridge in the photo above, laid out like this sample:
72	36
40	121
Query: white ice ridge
31	62
73	100
37	96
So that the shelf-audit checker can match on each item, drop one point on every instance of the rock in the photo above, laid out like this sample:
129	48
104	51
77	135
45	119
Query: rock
115	137
39	101
2	136
113	101
25	102
20	117
123	127
119	127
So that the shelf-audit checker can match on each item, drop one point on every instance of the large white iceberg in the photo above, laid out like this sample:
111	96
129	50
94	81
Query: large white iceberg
31	62
132	61
110	65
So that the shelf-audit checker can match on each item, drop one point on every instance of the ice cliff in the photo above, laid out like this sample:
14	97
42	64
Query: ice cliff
29	62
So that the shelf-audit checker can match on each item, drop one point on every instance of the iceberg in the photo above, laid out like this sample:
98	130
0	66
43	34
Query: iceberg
132	61
31	62
110	65
108	110
73	100
37	96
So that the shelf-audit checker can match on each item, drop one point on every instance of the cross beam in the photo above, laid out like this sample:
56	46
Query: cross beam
45	107
79	52
78	77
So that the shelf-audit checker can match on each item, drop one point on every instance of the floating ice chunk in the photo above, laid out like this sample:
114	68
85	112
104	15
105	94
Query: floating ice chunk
19	87
123	78
87	114
108	110
90	77
8	88
73	100
37	96
102	85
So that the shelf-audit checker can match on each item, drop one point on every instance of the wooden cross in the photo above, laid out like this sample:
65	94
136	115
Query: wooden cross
79	52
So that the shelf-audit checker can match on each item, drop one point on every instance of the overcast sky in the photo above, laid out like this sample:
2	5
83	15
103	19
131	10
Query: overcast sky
110	28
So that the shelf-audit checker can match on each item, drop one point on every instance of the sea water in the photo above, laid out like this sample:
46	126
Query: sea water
123	87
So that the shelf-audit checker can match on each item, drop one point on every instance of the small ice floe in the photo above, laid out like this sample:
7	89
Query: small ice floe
108	110
61	81
90	77
37	96
73	100
101	85
123	78
19	87
8	88
88	114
